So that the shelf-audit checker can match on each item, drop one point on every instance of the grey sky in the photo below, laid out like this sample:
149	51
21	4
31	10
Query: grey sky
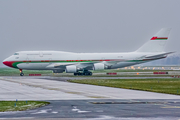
85	25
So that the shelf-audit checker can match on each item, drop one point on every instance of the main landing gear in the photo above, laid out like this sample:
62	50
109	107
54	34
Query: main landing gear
85	72
21	72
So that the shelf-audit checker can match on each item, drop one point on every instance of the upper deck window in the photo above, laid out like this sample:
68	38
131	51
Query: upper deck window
16	53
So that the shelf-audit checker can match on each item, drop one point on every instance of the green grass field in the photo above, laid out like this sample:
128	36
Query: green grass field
20	105
170	86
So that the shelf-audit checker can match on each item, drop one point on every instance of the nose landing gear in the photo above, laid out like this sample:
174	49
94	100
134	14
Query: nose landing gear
21	72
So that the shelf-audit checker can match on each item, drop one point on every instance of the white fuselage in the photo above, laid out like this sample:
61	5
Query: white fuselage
47	60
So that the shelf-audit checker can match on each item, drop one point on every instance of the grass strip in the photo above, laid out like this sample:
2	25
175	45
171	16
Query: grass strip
20	105
169	86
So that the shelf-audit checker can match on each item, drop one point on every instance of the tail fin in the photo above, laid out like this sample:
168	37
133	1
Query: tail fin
157	42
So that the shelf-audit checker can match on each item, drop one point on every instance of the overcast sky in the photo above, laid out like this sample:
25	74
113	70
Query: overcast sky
85	25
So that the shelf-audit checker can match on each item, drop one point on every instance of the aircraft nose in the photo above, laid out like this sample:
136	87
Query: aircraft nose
7	63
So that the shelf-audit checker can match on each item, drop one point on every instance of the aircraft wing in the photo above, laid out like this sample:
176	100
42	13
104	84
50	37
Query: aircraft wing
59	65
80	66
88	66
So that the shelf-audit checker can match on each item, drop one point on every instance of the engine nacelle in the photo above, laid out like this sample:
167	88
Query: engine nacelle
99	66
71	69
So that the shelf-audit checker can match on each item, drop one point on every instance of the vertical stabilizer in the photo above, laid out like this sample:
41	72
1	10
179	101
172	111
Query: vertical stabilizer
157	42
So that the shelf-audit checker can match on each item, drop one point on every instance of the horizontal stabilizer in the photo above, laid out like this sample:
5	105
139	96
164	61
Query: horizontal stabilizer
158	56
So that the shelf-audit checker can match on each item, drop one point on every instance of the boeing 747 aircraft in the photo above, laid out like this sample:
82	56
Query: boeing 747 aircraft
82	63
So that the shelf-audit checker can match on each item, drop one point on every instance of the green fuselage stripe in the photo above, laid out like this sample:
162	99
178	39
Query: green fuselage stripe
15	63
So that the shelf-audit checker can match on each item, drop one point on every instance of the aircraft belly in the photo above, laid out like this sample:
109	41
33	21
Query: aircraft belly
33	66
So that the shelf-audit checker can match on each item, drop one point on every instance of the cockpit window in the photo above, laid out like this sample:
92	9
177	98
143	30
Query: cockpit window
16	53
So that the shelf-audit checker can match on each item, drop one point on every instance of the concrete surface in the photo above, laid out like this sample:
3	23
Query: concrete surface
32	88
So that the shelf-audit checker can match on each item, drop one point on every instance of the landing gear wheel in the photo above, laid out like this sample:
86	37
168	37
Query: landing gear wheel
21	74
80	73
86	73
90	73
75	74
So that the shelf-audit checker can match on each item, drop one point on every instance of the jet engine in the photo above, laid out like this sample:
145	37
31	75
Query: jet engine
71	69
99	66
